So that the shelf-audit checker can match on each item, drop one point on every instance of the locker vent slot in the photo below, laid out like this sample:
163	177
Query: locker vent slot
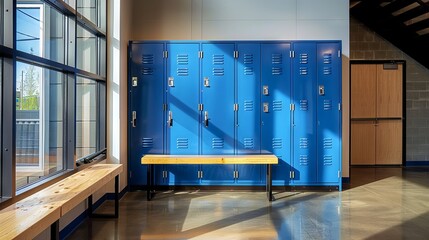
218	59
248	59
327	143
277	105
303	143
217	143
147	59
303	71
303	105
327	105
182	71
277	71
147	71
303	160
218	71
276	58
248	71
147	142
249	143
327	160
327	58
327	71
182	143
277	143
303	58
248	105
182	59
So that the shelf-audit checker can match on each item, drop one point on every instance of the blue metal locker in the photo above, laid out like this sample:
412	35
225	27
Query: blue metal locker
275	102
304	161
146	106
248	121
182	114
217	87
329	113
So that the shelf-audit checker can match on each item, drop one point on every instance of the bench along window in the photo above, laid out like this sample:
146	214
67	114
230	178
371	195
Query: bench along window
39	123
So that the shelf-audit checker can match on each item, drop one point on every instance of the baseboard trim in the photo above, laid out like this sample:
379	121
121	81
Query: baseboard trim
416	163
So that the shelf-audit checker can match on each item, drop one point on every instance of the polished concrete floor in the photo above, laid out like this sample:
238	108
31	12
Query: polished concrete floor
379	203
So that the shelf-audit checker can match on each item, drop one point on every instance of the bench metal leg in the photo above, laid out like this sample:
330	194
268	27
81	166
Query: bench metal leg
98	215
269	184
55	230
149	189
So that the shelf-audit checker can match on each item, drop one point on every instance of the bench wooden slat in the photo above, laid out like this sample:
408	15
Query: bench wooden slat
32	215
209	159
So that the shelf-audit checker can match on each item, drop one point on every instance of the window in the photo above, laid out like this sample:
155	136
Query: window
86	117
86	50
52	88
40	31
39	123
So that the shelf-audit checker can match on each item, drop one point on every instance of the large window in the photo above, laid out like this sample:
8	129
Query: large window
39	123
52	88
86	117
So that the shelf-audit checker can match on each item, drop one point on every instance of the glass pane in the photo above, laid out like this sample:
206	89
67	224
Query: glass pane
71	3
86	50
102	61
86	117
1	22
39	123
40	30
88	8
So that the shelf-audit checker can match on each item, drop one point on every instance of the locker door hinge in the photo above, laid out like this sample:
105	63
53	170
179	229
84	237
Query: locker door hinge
200	107
292	107
339	53
235	54
200	54
236	107
339	107
164	174
164	106
292	54
165	54
131	174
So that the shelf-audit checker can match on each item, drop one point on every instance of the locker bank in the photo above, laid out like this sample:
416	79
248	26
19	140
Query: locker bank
204	119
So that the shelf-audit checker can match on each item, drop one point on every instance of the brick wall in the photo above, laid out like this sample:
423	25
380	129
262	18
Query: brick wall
365	44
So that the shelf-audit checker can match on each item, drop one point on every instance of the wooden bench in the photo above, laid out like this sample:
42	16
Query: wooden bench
149	159
32	215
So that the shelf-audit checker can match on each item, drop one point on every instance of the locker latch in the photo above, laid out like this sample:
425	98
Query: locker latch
206	82
134	119
171	82
321	90
265	107
134	81
170	118
206	118
265	90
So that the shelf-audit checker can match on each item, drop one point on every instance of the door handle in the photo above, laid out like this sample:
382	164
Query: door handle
134	119
170	118
206	118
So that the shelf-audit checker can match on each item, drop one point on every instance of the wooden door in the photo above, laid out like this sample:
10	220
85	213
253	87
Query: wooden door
388	142
389	91
363	90
363	143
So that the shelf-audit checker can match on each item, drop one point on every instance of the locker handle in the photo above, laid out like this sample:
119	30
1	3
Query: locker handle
206	118
170	118
134	119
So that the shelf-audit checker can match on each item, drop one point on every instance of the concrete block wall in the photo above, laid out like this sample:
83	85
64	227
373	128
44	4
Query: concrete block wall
365	44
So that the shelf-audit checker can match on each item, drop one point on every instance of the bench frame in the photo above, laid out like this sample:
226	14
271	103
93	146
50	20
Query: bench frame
152	160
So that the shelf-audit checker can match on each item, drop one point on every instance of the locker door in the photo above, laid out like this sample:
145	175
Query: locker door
275	102
304	118
217	87
248	123
146	99
182	114
328	112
